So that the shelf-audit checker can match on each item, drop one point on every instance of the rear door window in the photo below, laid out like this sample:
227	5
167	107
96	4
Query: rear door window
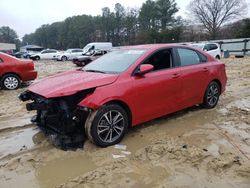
188	57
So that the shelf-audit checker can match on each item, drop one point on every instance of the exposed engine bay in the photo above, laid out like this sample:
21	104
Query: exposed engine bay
59	118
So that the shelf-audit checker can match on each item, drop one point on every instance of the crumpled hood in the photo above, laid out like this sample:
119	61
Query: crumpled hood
70	82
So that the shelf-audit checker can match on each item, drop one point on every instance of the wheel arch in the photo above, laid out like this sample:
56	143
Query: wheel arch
14	73
213	80
218	57
218	82
124	106
64	56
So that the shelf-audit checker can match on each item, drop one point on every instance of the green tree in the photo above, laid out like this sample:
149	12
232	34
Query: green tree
244	31
166	10
119	23
8	35
148	15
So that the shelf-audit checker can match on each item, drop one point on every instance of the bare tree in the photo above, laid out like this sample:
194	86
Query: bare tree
214	13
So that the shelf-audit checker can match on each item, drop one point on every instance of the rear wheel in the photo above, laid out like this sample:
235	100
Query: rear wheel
107	126
212	95
37	58
10	82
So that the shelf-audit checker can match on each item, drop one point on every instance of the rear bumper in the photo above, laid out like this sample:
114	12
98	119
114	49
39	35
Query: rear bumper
30	75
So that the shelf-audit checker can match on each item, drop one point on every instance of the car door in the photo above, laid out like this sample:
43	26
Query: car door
44	54
195	75
78	53
157	92
75	53
52	54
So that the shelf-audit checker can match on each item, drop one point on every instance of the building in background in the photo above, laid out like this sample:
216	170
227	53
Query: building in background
31	48
7	48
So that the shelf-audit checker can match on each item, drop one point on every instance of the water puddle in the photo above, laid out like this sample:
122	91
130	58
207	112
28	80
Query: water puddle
19	140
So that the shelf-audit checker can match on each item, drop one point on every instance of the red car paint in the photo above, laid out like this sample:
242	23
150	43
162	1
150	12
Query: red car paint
22	68
70	82
148	96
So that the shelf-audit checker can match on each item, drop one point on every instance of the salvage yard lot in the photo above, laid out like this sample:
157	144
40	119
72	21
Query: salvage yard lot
192	148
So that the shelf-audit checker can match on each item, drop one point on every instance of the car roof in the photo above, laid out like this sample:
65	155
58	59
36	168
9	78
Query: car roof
74	49
203	43
152	46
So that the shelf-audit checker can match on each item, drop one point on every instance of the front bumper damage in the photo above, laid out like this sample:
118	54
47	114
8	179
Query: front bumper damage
59	118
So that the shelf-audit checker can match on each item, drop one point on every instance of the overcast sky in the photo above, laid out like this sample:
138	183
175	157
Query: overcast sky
24	16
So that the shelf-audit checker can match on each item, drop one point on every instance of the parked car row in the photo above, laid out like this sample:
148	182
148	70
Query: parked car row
69	54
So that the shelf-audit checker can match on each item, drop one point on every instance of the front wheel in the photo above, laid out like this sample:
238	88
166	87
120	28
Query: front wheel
107	126
64	58
212	95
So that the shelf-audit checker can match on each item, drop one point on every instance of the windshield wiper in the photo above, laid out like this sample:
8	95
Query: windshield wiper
95	71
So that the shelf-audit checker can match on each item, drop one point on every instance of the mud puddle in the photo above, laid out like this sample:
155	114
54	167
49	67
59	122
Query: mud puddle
17	122
18	140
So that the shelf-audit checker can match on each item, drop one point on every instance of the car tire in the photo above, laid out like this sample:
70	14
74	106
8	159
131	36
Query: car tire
64	58
212	95
37	58
10	82
217	57
101	128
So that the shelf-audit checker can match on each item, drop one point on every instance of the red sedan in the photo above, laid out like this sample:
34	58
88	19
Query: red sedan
13	71
125	88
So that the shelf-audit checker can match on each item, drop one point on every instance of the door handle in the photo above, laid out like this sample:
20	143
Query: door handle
205	69
176	75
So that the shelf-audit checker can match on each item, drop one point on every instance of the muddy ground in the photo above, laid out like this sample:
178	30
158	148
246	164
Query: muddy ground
192	148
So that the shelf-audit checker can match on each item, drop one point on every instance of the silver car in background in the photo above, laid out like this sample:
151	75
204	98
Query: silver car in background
69	54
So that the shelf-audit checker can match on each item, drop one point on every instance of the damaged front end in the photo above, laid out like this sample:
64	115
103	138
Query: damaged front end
60	118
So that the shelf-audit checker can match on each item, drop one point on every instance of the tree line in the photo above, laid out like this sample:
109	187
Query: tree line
154	22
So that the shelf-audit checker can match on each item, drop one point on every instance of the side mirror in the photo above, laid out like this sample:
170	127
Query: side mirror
144	68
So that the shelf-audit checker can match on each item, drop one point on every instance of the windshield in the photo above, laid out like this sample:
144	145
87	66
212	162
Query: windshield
114	62
86	48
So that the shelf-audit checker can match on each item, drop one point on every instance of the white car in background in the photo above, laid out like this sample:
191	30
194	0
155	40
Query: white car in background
211	48
45	54
69	54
